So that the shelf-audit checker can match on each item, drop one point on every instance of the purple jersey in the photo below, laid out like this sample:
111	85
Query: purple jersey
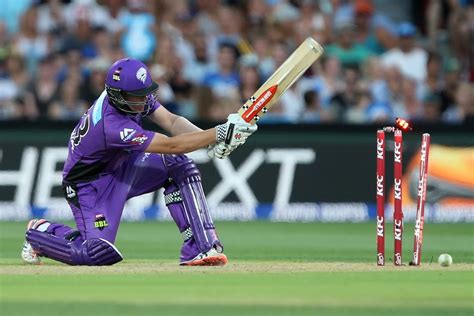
103	140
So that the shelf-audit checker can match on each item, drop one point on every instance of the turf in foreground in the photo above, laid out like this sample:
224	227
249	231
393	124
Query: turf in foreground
275	269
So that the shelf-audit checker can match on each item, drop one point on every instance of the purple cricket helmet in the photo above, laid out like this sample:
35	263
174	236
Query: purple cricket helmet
129	76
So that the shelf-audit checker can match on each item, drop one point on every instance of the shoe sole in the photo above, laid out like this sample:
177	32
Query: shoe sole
219	260
37	262
32	224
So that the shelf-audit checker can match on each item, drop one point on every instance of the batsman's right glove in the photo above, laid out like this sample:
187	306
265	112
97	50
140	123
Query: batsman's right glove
231	135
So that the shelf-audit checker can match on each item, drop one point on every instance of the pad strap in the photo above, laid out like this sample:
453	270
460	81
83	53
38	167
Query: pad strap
173	197
187	234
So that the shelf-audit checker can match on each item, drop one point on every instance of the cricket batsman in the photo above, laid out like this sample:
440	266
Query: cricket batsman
111	159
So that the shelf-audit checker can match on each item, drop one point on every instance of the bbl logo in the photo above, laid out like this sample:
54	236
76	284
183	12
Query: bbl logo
100	222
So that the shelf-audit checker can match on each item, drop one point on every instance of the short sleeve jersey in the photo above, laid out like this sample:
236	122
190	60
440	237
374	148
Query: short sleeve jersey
103	140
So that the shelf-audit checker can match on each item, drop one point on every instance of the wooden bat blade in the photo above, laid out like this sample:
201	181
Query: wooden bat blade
287	74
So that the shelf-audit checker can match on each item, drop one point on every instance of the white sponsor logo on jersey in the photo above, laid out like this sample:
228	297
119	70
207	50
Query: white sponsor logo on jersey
126	134
140	139
71	193
141	74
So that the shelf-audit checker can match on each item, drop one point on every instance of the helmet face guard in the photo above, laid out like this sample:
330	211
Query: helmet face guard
117	98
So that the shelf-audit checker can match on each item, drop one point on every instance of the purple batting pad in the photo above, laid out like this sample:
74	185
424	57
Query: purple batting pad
91	252
186	175
174	202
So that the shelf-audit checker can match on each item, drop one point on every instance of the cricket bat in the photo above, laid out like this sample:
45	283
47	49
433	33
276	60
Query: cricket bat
287	74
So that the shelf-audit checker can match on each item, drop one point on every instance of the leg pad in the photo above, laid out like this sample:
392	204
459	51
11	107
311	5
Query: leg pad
91	252
185	193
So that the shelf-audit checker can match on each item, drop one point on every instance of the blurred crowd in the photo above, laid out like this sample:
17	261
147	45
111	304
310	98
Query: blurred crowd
383	59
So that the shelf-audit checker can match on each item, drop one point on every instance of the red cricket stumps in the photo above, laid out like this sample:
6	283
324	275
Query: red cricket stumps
380	198
397	202
420	207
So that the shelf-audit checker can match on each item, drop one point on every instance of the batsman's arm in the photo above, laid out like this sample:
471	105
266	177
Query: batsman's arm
234	132
172	123
188	137
181	144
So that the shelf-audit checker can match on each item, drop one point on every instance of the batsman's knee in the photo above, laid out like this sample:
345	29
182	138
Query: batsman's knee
97	252
181	168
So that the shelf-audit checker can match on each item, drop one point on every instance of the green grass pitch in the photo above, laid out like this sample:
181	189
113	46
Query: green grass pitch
274	269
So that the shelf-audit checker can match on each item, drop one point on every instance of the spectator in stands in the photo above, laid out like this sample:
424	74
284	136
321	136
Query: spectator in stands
103	44
225	80
313	112
249	76
165	52
69	106
347	97
205	101
222	106
452	78
342	11
461	30
463	110
261	47
279	53
313	22
165	92
438	14
15	66
181	27
345	49
51	17
11	13
394	79
410	59
95	80
256	16
183	90
330	80
207	16
359	112
412	107
28	42
374	110
115	10
43	89
85	10
200	64
372	31
5	45
284	17
138	40
73	64
433	81
375	79
81	38
327	81
8	93
230	27
290	106
432	108
198	44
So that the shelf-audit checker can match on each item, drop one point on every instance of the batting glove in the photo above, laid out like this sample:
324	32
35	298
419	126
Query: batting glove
235	131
